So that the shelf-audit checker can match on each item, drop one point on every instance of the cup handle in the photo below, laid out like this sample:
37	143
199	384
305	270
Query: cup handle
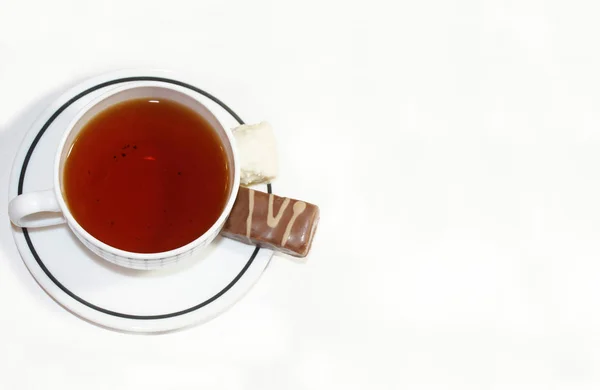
33	210
282	224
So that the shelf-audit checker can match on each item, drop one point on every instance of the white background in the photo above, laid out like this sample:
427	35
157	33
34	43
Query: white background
453	147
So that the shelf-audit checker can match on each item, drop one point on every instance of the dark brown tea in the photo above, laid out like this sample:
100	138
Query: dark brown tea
147	176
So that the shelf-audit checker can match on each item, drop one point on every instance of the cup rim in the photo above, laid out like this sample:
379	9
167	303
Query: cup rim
72	222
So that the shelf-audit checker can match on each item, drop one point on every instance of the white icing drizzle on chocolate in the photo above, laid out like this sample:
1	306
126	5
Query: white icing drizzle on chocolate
298	208
274	221
250	212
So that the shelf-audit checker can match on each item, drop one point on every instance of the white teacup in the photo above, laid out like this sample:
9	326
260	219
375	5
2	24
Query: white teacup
45	208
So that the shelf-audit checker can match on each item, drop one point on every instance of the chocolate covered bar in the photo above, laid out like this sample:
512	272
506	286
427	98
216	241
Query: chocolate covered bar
282	224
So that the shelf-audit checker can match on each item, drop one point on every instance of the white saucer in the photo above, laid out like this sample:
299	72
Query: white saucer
190	292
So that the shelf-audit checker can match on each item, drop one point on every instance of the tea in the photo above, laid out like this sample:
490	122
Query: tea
147	175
